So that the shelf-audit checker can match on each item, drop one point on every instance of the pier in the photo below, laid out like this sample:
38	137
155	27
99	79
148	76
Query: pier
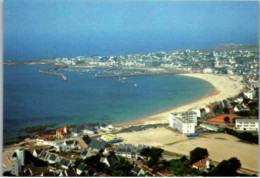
53	73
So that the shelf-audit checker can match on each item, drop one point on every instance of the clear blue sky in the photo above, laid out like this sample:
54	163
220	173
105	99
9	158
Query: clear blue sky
128	25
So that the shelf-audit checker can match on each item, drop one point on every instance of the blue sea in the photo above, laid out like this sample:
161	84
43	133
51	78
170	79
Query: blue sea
32	98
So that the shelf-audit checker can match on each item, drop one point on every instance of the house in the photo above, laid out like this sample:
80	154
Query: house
66	164
37	152
197	111
68	173
96	145
136	171
61	132
75	132
14	162
110	160
86	139
42	155
129	150
238	108
85	154
80	169
247	124
106	128
89	130
52	159
202	164
250	94
47	139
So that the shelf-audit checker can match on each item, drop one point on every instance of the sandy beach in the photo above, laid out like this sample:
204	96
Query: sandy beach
224	87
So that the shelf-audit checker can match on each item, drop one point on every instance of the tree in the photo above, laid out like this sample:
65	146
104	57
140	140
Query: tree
226	110
226	168
234	164
198	154
227	119
153	155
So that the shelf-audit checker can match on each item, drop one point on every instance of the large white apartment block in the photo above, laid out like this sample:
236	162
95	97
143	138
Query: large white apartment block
190	116
247	124
181	124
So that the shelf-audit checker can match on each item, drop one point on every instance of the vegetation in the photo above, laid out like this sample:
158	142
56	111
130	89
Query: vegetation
153	155
227	119
226	110
226	168
29	158
120	168
245	113
181	167
248	136
198	154
93	163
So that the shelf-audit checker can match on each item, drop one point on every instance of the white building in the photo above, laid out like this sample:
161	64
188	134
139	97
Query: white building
20	155
197	111
208	71
190	116
247	124
250	94
181	124
209	127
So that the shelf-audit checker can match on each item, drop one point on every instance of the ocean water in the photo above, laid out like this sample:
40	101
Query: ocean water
32	98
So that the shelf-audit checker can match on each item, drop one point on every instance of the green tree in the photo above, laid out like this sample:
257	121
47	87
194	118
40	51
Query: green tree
198	154
226	168
226	110
227	119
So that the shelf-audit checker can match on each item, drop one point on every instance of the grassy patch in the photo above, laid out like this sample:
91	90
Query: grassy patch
220	138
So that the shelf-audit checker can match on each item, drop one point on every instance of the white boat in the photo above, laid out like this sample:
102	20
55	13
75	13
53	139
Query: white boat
135	85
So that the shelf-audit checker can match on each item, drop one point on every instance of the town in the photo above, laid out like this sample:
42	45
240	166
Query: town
102	149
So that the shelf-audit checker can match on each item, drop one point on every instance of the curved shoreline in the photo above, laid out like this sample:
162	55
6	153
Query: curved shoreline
218	94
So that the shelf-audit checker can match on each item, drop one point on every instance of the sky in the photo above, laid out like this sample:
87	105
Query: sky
37	28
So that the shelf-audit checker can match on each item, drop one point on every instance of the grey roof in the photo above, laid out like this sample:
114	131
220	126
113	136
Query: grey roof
86	139
90	128
135	170
75	130
112	159
102	159
95	144
81	166
52	157
129	148
65	162
42	154
85	153
38	151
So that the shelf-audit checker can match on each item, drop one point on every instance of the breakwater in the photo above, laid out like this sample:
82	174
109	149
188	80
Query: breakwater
54	73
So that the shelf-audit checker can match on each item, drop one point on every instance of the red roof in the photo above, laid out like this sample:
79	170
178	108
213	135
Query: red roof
200	163
61	129
46	137
209	106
